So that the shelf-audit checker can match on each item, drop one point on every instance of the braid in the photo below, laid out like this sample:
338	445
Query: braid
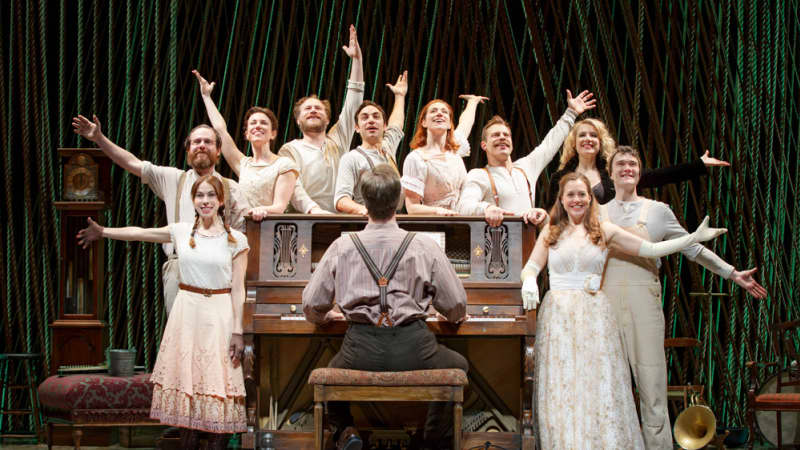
194	229
221	212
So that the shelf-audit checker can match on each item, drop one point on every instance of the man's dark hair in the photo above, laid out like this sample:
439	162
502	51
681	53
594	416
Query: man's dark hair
366	103
625	150
380	188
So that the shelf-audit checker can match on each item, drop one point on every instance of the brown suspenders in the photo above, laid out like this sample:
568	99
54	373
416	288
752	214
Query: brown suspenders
494	187
384	154
382	279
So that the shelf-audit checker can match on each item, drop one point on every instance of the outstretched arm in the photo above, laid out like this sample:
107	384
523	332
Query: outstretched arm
353	50
631	244
467	118
229	150
94	232
284	189
93	132
399	89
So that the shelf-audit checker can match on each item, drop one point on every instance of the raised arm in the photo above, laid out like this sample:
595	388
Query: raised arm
399	89
353	50
94	232
237	302
342	131
467	118
631	244
93	132
229	150
535	264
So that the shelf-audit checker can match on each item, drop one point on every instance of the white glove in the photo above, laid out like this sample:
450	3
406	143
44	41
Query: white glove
659	249
530	293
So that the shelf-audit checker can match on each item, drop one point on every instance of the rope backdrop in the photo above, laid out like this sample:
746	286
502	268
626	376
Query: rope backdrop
672	77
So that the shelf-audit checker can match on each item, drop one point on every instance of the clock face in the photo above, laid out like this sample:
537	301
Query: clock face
80	178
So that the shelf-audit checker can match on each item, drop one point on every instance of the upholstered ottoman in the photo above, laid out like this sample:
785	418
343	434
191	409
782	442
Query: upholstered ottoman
435	385
86	401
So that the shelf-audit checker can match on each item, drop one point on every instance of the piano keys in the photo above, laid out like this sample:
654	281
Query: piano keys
284	250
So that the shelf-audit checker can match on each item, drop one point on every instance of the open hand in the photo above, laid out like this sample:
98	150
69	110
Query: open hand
440	211
582	103
352	49
401	86
746	281
713	162
89	234
705	233
205	86
473	98
89	130
530	293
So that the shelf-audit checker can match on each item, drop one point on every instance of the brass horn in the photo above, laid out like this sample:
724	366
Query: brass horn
696	426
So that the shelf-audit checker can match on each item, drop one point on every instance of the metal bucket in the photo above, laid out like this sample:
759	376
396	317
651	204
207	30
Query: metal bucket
121	362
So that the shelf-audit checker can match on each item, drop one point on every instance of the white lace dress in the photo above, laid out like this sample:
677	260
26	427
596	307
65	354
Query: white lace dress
583	387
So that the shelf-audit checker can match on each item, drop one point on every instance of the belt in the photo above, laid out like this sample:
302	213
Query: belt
206	292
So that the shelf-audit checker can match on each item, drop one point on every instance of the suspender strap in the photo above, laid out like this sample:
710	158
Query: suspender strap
364	154
181	182
494	187
385	155
382	279
642	220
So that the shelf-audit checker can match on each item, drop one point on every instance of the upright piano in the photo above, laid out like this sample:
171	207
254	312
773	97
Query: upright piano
281	347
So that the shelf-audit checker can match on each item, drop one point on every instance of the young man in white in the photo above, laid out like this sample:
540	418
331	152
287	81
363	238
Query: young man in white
504	187
317	153
632	285
172	185
379	141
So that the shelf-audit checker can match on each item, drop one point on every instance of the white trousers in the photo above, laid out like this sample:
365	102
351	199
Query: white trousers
635	296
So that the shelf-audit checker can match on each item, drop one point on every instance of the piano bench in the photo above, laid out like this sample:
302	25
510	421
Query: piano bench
436	385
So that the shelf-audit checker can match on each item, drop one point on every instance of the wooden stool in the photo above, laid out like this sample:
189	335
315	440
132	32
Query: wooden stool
439	385
29	362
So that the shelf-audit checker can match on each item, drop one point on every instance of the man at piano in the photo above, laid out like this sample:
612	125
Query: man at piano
383	279
506	187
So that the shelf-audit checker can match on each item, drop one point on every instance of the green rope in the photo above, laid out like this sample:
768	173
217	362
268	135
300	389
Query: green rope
46	176
12	289
142	211
314	48
427	58
325	53
228	55
126	189
157	101
107	213
26	144
264	54
79	52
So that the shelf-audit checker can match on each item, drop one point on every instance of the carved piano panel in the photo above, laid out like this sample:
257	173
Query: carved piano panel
284	253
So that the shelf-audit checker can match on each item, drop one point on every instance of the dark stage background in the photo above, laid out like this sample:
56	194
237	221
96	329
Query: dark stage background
673	77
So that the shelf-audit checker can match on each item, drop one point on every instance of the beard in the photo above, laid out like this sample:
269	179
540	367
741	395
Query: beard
202	161
316	127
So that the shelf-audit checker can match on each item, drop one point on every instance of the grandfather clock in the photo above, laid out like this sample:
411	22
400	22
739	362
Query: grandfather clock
78	335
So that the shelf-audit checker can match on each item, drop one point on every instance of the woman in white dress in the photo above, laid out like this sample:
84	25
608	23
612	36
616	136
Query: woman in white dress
434	171
266	181
583	387
198	382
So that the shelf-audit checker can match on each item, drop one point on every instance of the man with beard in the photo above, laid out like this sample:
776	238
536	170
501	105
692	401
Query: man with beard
504	187
317	153
172	185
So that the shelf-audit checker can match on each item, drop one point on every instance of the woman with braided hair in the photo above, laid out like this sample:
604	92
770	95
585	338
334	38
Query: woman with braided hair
198	382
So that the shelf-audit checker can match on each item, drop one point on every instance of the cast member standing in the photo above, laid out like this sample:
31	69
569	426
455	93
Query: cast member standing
634	290
578	352
172	185
506	187
317	153
197	378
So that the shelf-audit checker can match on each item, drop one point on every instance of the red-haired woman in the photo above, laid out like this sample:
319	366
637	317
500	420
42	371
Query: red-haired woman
434	172
577	338
197	376
266	181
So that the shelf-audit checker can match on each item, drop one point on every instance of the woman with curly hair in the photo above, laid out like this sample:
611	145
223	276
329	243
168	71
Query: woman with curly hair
587	150
577	338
